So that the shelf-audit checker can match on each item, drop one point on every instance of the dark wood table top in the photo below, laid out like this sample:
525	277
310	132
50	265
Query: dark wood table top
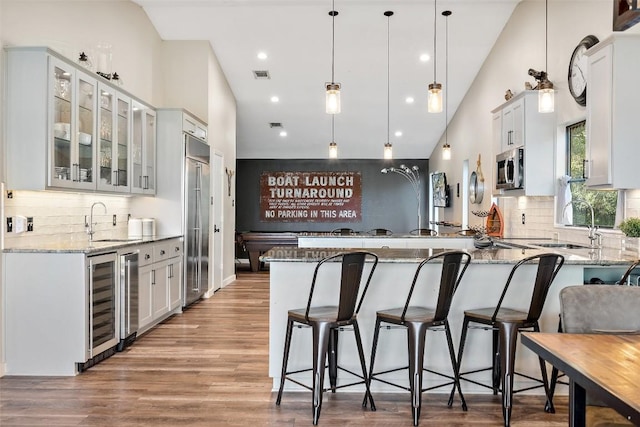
606	366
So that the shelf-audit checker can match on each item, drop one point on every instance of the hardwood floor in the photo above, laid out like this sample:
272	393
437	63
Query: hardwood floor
209	367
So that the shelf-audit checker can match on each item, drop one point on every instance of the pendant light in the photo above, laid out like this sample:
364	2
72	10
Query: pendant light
333	89
546	94
446	148
333	147
434	100
388	148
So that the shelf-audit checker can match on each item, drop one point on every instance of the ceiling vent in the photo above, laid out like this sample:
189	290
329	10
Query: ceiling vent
275	125
261	74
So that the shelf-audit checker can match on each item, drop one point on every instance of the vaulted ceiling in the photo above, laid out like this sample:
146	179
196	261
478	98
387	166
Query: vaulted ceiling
296	36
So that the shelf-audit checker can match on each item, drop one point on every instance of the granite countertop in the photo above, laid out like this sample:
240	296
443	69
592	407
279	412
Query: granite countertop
84	246
478	256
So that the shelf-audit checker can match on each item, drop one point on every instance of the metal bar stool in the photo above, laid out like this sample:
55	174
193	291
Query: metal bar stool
325	322
505	323
417	320
423	232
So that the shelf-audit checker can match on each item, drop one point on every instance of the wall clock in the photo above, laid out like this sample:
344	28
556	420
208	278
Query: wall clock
578	70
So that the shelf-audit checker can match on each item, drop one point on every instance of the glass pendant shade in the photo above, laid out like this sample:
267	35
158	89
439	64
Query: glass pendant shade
446	152
333	150
333	98
434	100
546	97
388	151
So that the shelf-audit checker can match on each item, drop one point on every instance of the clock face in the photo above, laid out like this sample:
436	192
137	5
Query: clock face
578	70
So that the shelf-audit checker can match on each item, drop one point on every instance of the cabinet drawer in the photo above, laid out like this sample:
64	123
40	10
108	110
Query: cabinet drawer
162	251
146	255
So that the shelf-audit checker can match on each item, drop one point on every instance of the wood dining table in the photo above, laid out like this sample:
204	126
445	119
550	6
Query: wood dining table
605	366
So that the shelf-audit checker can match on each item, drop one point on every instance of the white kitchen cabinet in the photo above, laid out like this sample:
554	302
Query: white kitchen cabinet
523	126
160	282
194	127
143	149
612	131
62	314
114	123
511	124
66	128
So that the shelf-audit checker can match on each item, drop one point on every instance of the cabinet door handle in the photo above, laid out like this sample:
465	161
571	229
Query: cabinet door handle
115	180
153	277
146	182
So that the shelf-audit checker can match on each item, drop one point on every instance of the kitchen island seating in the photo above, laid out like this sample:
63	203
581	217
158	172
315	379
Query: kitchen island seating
423	232
326	321
417	319
343	232
505	324
380	232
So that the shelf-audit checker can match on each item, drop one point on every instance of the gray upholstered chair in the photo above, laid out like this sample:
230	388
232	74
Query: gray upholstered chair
588	309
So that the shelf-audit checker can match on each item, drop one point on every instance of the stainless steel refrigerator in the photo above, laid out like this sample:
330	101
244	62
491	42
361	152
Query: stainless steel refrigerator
197	197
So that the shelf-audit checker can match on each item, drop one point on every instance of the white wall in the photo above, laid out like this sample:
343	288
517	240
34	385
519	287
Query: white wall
520	47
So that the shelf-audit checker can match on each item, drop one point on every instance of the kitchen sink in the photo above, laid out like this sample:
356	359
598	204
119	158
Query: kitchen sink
560	245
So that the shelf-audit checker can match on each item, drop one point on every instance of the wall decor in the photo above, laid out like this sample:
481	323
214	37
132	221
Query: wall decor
626	14
440	190
310	197
229	173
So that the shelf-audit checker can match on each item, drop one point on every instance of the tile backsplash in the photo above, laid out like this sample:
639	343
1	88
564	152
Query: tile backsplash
59	215
539	220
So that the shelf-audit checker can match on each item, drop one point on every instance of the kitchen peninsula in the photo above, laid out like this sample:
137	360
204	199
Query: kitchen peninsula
291	271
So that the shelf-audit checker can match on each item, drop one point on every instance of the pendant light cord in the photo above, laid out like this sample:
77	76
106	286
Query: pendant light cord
435	14
333	39
446	79
388	74
546	36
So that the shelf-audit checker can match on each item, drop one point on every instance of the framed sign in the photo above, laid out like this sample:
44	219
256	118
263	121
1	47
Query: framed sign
310	197
440	190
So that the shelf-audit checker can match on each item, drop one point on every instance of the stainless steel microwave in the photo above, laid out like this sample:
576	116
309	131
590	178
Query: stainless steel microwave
510	169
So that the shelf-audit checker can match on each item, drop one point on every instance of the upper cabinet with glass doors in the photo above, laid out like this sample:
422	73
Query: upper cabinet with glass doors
68	129
114	130
143	149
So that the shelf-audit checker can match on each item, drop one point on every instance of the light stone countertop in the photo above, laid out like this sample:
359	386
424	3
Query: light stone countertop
604	257
84	246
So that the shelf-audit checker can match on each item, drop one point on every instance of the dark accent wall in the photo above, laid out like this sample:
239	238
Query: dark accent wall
388	200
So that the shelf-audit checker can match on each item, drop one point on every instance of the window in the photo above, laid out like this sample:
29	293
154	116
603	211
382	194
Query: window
604	202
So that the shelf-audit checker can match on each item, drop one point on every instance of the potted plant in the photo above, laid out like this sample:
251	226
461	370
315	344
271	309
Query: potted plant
631	229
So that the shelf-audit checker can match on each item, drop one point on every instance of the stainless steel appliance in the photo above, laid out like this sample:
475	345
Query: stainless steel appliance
197	199
103	309
510	169
128	299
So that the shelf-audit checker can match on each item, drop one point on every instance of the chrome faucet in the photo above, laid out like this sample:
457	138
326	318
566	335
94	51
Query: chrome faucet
89	225
594	234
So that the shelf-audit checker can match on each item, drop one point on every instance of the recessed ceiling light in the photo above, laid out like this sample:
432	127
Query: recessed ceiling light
275	99
398	133
409	100
262	55
283	133
425	57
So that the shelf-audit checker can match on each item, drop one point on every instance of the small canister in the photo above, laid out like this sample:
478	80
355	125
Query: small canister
148	227
135	228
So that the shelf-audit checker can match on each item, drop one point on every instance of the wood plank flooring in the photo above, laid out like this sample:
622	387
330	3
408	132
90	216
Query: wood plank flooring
209	367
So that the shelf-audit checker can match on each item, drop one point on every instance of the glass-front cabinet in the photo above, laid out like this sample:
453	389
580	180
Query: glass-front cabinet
79	125
72	149
143	149
113	148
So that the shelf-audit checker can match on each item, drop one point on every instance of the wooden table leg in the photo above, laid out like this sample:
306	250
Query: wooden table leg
577	405
254	261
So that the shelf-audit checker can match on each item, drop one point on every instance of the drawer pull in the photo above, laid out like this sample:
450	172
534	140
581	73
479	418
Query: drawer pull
147	256
177	248
162	252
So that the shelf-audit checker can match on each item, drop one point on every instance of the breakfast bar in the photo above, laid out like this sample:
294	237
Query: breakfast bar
291	271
